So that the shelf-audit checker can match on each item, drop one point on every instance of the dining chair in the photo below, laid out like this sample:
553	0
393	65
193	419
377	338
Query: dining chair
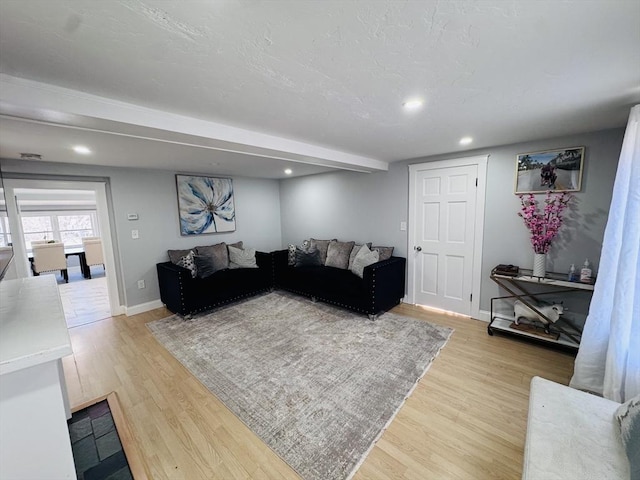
93	251
48	257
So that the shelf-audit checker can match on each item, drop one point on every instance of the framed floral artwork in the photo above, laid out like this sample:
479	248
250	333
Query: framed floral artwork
205	205
550	170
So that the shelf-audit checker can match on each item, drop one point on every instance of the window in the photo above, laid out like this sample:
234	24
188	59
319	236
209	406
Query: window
5	236
68	227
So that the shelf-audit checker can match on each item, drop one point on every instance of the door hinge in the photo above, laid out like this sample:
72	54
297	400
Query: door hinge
476	182
471	297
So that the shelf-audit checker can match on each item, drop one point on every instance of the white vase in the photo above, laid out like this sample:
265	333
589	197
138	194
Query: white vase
539	264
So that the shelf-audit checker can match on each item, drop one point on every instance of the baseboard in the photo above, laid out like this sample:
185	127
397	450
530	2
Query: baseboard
142	307
484	315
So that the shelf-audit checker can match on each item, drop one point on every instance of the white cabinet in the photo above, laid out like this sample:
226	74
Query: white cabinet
34	439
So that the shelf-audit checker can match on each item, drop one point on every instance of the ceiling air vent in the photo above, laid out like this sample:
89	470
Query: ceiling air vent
30	156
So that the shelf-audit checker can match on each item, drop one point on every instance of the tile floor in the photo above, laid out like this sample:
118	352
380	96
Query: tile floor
84	300
97	451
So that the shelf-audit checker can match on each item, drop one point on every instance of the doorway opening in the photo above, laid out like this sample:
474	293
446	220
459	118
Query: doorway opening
68	219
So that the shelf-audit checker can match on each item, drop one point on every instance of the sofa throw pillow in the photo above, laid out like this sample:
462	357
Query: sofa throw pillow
176	255
364	258
291	259
385	252
322	246
338	254
354	251
310	258
218	253
204	266
239	258
628	417
189	263
239	245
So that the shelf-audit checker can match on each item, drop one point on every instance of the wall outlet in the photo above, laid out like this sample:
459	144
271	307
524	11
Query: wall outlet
140	283
403	226
134	234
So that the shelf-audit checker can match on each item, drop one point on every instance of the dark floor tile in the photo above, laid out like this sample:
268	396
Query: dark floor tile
79	416
85	454
80	429
102	425
108	467
98	409
123	474
108	445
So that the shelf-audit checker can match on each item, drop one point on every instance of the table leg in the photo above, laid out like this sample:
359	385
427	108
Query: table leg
84	268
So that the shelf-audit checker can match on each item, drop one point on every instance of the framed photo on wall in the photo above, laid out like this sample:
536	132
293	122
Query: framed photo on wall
205	205
555	170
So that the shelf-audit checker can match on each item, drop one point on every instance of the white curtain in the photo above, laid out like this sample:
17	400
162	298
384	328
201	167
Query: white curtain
608	360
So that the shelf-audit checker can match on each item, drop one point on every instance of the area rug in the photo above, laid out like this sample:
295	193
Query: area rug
317	384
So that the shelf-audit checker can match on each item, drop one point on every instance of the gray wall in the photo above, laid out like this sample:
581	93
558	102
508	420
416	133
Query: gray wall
152	195
370	207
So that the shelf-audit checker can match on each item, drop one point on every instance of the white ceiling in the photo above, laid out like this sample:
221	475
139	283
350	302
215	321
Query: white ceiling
249	88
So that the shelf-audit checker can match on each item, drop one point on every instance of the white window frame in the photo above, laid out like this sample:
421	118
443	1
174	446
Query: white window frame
5	233
55	224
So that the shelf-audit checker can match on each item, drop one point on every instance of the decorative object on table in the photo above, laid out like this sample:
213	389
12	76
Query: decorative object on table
315	382
585	272
507	270
572	276
550	313
557	170
543	225
205	205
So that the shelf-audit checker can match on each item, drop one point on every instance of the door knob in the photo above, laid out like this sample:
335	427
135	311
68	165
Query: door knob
417	249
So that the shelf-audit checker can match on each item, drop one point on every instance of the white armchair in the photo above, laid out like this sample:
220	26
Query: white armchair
48	257
93	252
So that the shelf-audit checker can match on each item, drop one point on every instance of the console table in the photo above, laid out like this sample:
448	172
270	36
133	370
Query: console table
34	407
569	334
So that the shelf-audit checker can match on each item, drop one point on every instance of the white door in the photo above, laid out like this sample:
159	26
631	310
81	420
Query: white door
442	241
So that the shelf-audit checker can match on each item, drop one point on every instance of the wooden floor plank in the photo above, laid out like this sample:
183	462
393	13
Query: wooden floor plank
466	419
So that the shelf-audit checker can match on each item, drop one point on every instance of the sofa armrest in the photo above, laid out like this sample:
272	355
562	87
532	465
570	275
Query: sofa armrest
171	279
385	281
264	260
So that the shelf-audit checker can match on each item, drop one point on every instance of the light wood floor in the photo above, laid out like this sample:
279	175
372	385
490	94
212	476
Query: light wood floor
465	420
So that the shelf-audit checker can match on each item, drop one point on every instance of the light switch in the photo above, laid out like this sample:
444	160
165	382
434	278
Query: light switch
403	226
134	234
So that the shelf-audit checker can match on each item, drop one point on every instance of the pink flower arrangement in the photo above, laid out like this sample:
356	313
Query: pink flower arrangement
543	225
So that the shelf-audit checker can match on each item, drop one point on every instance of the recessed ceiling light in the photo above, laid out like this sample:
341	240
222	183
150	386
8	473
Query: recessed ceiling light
413	104
288	171
30	156
466	140
81	149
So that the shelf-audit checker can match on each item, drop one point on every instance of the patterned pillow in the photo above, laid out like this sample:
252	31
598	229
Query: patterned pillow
628	418
338	254
305	247
189	263
385	252
364	258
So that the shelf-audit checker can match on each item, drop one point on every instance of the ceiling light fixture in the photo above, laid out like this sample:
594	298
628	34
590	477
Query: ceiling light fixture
288	171
466	140
413	104
81	149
